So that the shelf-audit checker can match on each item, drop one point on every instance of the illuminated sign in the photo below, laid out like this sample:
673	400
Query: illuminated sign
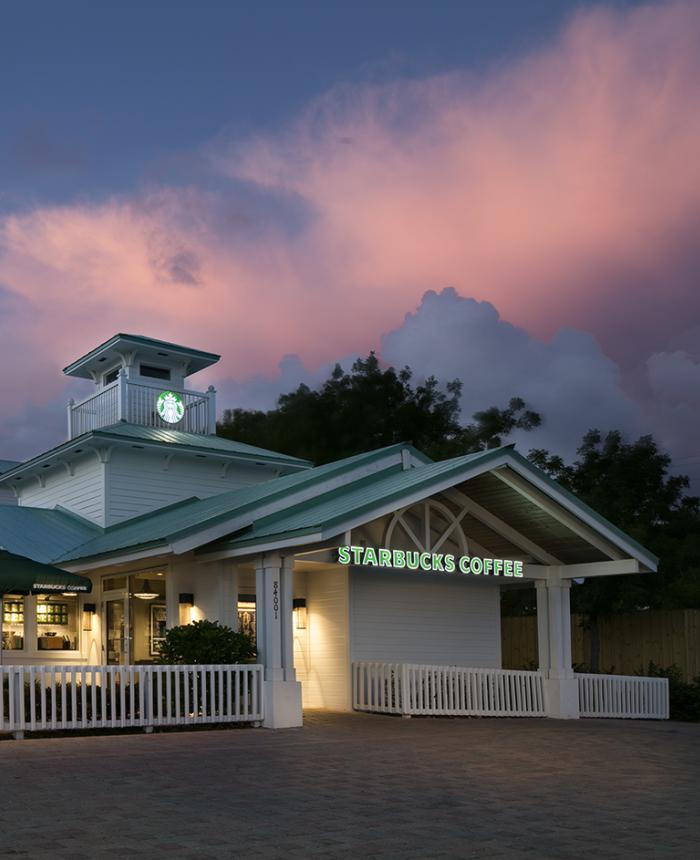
170	407
428	561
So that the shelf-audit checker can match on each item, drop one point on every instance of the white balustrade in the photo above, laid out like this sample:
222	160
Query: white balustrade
414	689
136	404
45	698
623	697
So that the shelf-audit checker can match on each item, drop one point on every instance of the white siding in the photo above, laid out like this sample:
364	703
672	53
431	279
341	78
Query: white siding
321	657
412	617
142	481
83	492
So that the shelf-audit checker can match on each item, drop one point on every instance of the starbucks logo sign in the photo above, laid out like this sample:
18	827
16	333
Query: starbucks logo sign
170	407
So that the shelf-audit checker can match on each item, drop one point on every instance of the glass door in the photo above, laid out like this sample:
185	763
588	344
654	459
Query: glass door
116	631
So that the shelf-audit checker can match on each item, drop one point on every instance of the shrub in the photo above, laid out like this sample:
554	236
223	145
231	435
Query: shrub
206	642
684	698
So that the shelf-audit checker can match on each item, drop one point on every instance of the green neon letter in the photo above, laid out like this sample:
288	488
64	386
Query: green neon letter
488	566
356	554
343	555
497	566
450	563
384	557
507	567
412	560
464	564
517	568
425	560
477	566
399	558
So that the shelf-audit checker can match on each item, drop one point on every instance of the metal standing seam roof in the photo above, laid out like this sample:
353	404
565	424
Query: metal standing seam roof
206	358
7	465
193	514
366	494
336	506
211	445
42	534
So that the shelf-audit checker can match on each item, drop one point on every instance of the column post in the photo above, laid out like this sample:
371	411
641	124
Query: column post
554	646
211	410
273	586
227	587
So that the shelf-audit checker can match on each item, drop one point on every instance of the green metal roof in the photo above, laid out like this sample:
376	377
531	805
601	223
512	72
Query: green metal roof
364	496
191	515
186	442
216	444
199	358
42	534
6	465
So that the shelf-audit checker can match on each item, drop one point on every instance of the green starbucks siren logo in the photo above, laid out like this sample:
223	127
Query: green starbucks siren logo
170	407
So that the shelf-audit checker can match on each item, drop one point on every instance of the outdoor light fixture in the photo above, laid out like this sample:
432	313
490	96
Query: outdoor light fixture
186	602
146	591
299	606
89	610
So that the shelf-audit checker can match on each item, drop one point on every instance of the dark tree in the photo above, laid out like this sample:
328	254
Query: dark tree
371	407
629	484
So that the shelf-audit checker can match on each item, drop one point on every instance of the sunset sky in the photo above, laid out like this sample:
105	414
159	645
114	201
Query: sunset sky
504	192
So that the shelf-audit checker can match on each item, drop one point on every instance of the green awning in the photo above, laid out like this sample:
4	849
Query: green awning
21	575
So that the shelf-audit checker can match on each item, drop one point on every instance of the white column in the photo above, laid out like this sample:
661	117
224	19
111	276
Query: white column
542	626
274	619
287	606
227	587
554	646
122	405
211	410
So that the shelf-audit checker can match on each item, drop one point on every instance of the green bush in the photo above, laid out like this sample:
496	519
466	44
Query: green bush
206	642
684	698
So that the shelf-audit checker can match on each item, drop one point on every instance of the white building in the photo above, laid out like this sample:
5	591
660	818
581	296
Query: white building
172	524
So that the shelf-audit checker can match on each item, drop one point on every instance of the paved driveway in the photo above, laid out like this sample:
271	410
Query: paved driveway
359	786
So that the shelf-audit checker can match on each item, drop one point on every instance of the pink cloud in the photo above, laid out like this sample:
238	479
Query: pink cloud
562	187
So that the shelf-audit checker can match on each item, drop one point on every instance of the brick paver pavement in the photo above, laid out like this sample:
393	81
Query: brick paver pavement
359	786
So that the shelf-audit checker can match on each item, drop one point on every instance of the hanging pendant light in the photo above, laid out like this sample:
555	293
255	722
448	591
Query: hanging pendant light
146	591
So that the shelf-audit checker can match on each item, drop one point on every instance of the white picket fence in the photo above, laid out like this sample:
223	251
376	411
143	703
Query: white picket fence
45	698
408	689
623	697
413	689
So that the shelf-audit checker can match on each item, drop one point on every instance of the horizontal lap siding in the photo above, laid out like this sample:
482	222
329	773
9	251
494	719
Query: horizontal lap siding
82	493
418	618
139	481
325	674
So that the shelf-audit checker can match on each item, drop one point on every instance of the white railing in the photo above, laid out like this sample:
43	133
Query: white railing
99	410
413	689
623	697
136	403
45	698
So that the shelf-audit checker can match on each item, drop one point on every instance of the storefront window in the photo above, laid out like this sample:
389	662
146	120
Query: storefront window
13	623
147	615
246	614
57	623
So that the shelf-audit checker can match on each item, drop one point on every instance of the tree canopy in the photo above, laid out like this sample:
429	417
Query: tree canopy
371	407
629	483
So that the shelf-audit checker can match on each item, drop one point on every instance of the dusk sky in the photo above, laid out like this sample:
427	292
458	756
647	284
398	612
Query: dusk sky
504	192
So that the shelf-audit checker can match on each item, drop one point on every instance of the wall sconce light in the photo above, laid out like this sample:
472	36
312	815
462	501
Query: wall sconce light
186	601
299	607
89	610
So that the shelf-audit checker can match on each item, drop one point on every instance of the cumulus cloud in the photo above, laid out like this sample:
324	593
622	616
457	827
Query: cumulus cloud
561	187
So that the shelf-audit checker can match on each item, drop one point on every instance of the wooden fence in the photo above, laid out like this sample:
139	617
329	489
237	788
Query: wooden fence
628	643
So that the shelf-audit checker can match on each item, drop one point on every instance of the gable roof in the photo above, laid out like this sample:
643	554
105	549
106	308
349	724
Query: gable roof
311	505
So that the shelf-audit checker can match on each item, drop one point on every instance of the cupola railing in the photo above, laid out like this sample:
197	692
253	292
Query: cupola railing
136	403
